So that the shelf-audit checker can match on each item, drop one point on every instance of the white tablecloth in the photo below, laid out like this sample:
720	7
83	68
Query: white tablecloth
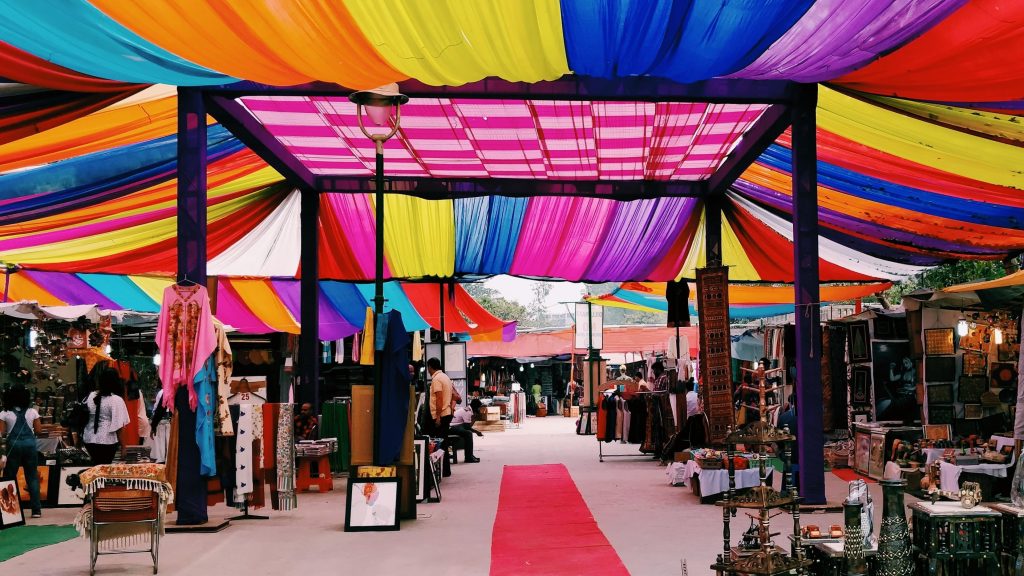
714	481
949	474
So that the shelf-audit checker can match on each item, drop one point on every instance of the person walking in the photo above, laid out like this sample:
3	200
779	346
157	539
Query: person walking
107	415
441	400
20	425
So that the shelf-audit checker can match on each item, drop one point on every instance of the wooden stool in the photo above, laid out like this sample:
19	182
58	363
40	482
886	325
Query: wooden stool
304	480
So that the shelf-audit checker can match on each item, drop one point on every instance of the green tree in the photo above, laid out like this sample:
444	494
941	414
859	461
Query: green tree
495	304
947	275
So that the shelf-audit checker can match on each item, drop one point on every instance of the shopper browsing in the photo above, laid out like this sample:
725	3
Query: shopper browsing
441	395
20	425
107	415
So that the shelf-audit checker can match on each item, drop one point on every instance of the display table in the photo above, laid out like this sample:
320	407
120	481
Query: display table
954	539
1013	539
708	483
830	559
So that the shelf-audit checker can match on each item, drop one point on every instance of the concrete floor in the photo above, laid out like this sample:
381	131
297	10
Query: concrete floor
652	525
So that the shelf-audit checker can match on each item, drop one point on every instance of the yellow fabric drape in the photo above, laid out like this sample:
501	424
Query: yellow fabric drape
260	298
417	347
452	42
1005	126
919	141
366	347
733	255
123	240
152	286
279	43
419	236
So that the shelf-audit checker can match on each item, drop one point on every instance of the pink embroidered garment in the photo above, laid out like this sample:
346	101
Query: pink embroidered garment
186	338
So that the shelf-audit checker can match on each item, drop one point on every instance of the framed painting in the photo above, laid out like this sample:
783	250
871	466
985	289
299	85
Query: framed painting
972	412
971	388
43	473
66	496
860	384
11	512
371	504
885	328
937	432
940	369
860	342
1008	352
973	364
1004	375
940	394
938	342
941	414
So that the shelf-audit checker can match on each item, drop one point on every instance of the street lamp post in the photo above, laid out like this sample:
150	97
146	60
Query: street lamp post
383	107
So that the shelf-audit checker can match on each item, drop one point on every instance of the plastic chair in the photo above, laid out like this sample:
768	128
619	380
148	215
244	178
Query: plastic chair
115	505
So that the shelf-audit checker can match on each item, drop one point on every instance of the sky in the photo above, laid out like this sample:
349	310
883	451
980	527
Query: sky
521	290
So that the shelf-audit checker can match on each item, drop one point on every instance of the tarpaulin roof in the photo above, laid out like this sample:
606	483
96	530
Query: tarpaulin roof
617	340
263	305
745	301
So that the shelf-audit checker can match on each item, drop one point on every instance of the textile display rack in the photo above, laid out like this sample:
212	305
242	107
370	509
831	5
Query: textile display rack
618	427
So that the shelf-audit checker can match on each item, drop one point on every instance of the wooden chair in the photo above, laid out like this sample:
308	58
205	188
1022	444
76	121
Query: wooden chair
118	506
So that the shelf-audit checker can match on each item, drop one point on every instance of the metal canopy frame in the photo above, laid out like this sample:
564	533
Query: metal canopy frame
790	104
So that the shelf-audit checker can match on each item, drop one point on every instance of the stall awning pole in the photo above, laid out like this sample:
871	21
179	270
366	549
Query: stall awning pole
191	186
309	304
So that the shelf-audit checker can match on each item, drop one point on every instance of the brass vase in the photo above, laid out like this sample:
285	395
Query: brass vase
894	552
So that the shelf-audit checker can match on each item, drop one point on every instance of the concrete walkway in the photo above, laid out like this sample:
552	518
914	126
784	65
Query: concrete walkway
652	526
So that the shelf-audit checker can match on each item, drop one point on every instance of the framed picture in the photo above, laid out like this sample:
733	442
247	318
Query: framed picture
43	473
938	342
972	411
436	465
376	471
11	513
974	340
940	368
971	389
936	432
877	458
371	505
1004	375
420	464
65	495
941	414
859	345
885	328
860	383
940	394
973	364
1008	352
894	377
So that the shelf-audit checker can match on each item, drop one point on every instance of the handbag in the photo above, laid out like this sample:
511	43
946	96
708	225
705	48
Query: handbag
76	416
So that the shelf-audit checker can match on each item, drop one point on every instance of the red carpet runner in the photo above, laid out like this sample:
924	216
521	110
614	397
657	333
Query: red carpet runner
544	527
848	475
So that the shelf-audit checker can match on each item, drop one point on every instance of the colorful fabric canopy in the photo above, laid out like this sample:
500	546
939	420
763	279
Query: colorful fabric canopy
927	49
267	305
745	301
560	342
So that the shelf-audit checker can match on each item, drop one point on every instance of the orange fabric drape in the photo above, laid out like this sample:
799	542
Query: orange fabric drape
279	43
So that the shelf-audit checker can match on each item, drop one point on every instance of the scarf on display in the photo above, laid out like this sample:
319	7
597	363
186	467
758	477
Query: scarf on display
286	457
225	364
243	452
186	337
367	346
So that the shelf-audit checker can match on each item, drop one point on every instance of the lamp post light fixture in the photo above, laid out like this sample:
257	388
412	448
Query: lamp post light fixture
383	107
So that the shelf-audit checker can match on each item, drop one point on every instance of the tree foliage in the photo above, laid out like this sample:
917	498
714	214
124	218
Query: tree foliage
496	304
947	275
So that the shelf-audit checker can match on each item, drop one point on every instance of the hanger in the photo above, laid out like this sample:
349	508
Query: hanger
185	281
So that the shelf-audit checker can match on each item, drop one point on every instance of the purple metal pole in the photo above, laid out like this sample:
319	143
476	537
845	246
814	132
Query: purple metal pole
191	186
809	429
309	290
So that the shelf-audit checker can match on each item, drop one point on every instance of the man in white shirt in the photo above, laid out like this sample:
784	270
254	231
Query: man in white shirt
693	406
462	426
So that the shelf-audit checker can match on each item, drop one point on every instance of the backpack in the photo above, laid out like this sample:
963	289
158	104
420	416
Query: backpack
76	416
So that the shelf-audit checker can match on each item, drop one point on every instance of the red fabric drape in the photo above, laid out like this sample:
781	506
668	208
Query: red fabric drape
20	66
28	114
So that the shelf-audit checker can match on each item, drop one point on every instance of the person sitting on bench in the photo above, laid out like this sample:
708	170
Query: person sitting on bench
462	426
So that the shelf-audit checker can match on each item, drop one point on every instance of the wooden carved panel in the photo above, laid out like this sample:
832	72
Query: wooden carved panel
715	349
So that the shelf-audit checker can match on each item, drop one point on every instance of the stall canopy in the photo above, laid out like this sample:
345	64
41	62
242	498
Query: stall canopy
29	310
559	342
87	170
745	301
261	305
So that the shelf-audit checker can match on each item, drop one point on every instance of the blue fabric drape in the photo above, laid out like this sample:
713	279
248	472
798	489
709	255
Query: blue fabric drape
686	41
470	231
121	290
394	389
93	178
76	35
395	300
347	300
504	222
912	199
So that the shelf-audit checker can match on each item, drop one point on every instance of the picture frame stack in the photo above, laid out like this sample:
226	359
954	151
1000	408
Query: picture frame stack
11	512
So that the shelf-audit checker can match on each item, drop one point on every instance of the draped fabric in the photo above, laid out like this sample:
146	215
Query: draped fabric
21	66
78	36
22	115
